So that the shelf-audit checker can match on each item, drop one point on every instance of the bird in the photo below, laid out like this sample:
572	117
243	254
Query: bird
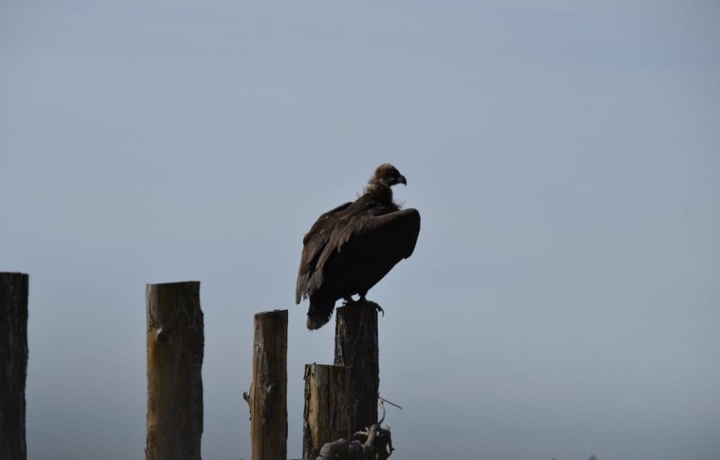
352	247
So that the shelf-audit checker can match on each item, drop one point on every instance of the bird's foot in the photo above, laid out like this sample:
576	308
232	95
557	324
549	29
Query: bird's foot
349	301
363	300
379	309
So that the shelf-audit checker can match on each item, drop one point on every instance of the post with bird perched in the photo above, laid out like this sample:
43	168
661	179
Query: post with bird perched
268	392
175	343
356	347
13	364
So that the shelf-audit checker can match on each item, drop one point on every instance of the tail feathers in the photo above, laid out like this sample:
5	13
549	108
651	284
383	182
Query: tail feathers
319	313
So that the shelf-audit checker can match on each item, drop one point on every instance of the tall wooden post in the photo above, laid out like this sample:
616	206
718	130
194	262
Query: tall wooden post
13	364
326	417
268	393
175	342
356	347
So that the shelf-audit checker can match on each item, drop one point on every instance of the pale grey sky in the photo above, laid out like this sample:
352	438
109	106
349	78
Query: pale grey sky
563	299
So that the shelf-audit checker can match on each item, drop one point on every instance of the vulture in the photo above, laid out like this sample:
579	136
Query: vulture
352	247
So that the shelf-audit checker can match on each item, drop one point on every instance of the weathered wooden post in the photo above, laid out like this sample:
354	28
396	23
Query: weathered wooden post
13	364
175	342
356	347
326	417
268	392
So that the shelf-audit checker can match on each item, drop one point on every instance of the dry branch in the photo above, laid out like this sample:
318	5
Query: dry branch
372	444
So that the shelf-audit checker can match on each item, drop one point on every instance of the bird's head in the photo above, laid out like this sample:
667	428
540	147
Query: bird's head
387	174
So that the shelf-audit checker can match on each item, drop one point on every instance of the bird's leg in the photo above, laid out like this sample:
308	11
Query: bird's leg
348	300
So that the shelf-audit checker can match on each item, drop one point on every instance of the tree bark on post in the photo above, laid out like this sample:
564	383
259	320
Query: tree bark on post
13	364
175	342
356	347
268	392
326	417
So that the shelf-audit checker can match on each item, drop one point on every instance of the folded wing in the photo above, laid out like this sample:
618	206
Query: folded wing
314	242
361	252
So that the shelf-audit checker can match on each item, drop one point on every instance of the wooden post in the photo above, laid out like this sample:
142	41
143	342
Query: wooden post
268	392
175	341
356	347
13	364
326	417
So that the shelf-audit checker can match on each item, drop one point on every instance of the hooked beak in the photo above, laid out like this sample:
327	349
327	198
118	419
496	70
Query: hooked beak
401	180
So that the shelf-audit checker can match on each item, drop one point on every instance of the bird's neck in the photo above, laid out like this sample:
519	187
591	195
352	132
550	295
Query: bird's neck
381	193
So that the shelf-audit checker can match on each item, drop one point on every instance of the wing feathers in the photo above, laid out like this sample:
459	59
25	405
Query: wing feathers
314	242
357	252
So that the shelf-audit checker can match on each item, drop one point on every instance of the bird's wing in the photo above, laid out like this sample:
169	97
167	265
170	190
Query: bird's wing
314	242
365	249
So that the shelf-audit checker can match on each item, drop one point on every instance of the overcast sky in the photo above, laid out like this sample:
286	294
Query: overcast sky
563	298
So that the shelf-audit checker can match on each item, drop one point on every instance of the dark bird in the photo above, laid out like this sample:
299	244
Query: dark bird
352	247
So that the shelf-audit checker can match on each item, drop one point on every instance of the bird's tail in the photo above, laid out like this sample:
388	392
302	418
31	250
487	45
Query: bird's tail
319	313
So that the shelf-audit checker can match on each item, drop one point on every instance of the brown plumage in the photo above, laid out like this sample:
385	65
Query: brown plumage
352	247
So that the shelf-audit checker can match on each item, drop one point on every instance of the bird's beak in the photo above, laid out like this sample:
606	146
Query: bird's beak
401	180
